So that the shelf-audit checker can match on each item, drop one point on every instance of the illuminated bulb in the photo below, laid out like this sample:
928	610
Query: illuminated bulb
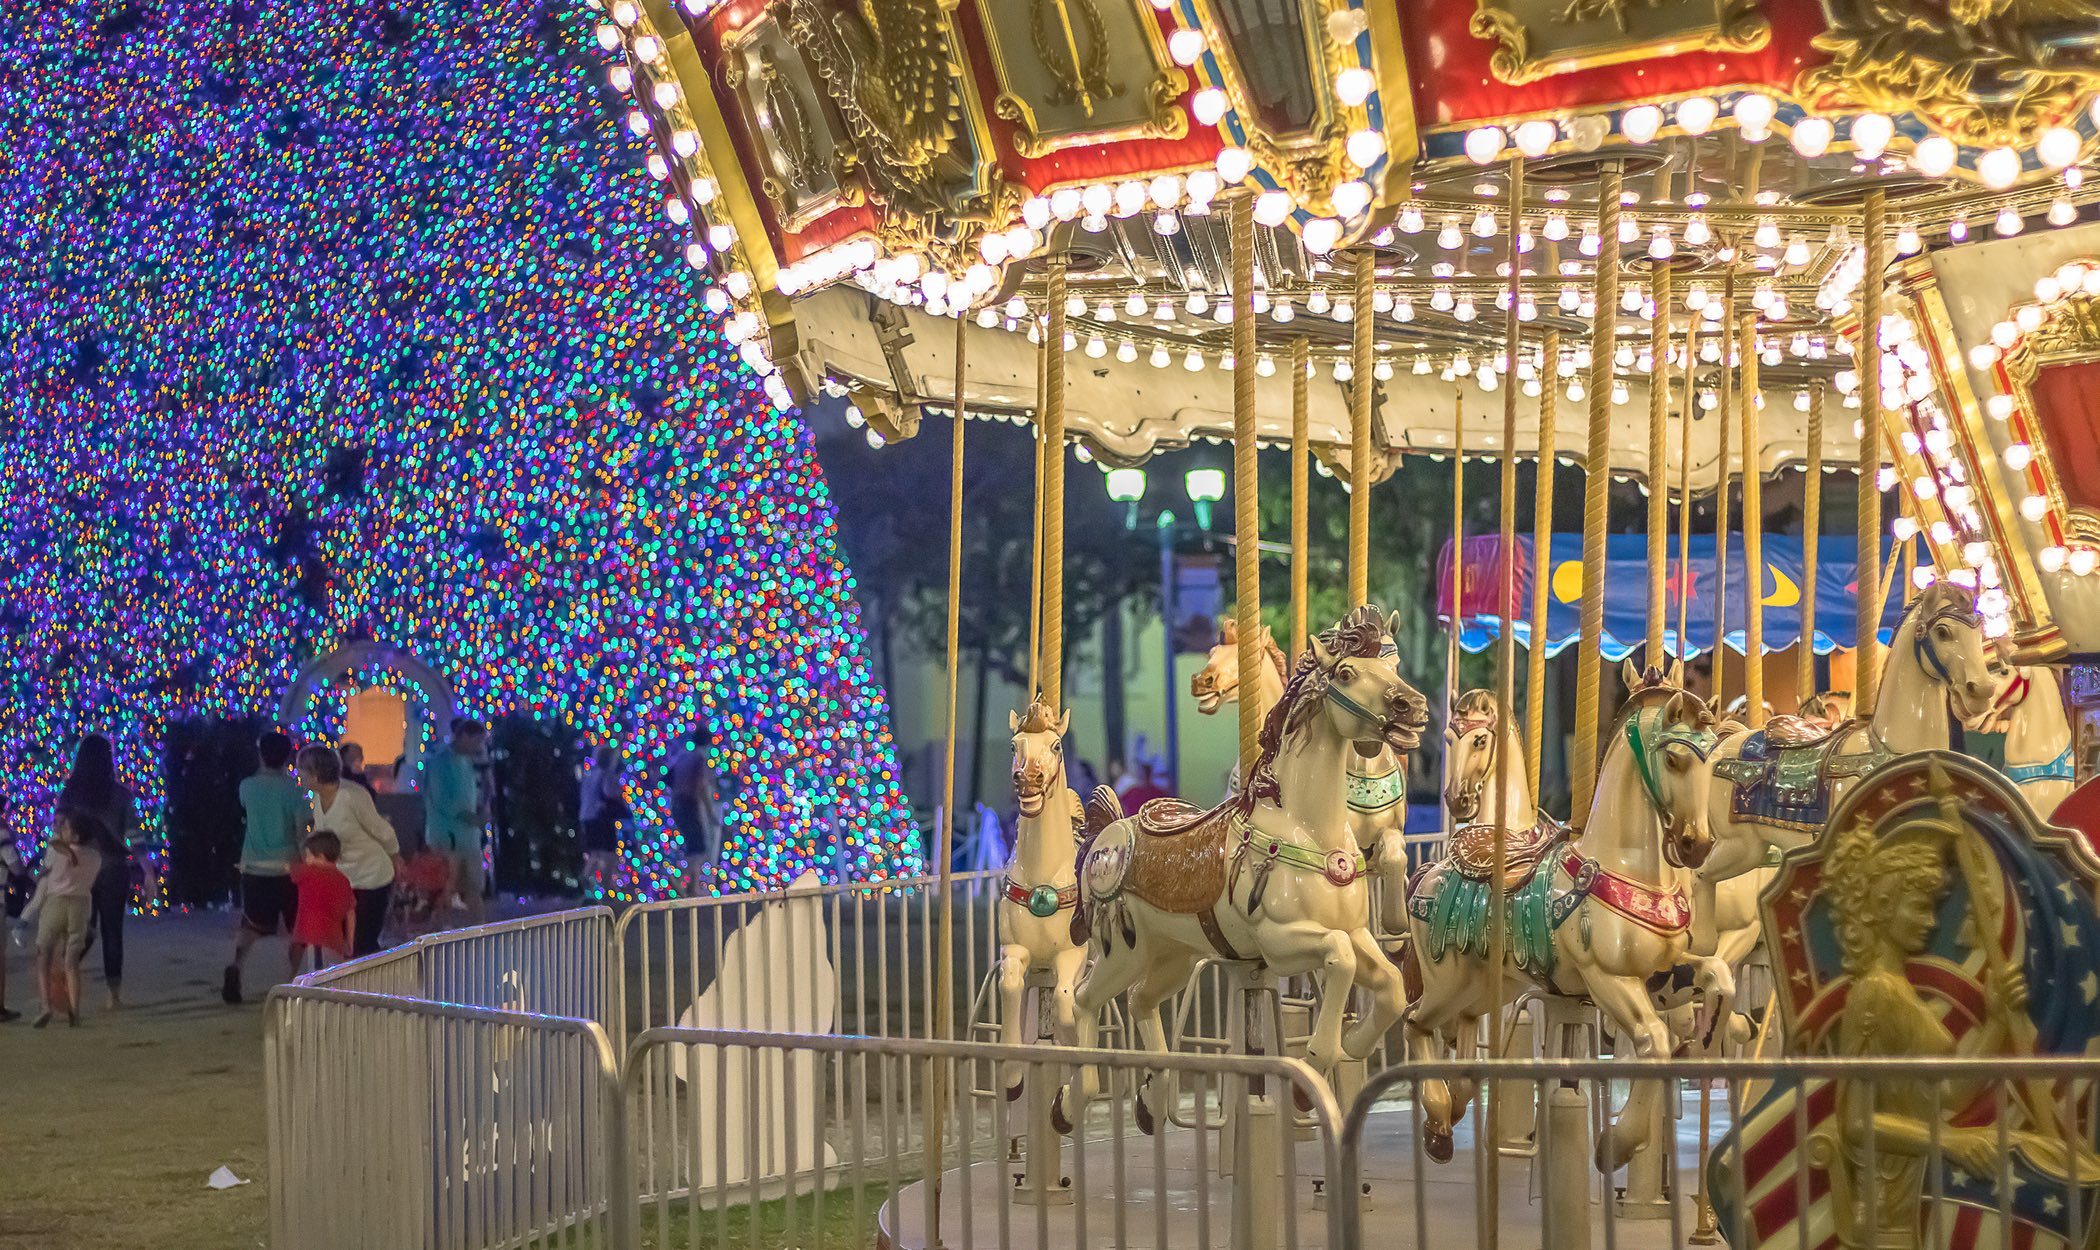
1619	393
2061	213
2034	508
1351	198
1448	237
608	36
1958	229
1366	147
1697	233
1198	303
1767	234
1193	362
2052	559
1922	577
1935	156
1591	242
1999	168
1209	107
1536	136
1135	305
1421	364
1343	371
1464	311
1411	218
621	78
1484	224
1796	252
1382	371
648	47
1344	311
1097	347
1159	357
1753	115
1166	223
1353	86
1163	311
1575	392
1871	133
1570	299
1812	136
1164	191
1272	208
1708	401
1697	115
2058	146
1126	352
1907	241
1403	309
1629	228
2008	223
1484	144
1904	529
1942	534
1234	164
665	94
2084	560
1185	45
1264	367
1641	124
1695	298
1282	311
2000	407
2018	456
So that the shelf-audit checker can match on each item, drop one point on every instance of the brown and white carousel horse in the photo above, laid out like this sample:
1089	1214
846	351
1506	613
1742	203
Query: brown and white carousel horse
1375	787
1596	917
2039	758
1041	888
1477	738
1272	875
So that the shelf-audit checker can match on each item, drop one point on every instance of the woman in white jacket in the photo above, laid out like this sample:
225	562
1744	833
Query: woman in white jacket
371	853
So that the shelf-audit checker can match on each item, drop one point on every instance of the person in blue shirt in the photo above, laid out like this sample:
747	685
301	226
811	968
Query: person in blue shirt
458	813
274	815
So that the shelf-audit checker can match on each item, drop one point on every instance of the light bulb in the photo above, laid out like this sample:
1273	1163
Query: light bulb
1935	156
1871	133
1353	85
1209	106
1536	136
1697	115
1812	136
1448	237
1484	144
2058	146
1185	45
1234	164
1697	233
1641	123
1753	115
1999	168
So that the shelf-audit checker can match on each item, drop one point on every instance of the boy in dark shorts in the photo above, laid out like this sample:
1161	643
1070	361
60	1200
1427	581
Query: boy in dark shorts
275	813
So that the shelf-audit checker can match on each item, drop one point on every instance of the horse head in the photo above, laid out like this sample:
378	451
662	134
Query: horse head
1947	639
1471	738
1355	668
1672	736
1039	754
1218	681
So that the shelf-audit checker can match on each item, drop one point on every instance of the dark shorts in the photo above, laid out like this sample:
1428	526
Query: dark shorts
268	904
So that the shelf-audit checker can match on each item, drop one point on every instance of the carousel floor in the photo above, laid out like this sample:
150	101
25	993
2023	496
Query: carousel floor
1440	1212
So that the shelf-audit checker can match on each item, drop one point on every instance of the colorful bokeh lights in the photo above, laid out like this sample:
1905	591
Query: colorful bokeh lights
329	322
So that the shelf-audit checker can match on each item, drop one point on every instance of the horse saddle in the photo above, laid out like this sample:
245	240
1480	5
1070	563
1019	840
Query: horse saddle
1473	851
1783	774
1172	854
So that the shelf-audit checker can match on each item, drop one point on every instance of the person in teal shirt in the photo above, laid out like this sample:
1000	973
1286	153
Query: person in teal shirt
456	813
274	815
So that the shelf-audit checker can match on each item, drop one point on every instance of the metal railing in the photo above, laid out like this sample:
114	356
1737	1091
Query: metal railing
398	1124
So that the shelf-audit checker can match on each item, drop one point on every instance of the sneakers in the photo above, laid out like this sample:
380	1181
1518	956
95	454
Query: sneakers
9	1017
230	988
42	1020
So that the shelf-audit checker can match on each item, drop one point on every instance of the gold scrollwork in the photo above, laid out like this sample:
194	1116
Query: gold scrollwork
1539	38
1077	45
1985	72
891	69
1079	68
2071	335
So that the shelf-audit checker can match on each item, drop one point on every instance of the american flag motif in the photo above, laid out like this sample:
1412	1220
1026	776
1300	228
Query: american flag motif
1766	1189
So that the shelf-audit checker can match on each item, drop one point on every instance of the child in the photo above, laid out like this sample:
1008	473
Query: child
61	910
326	903
16	885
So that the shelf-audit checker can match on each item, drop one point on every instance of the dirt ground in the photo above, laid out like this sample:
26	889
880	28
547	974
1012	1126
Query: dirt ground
109	1131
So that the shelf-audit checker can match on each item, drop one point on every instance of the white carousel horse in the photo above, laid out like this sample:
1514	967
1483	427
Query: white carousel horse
1271	875
1774	789
2038	752
1375	786
1597	918
1477	738
1042	884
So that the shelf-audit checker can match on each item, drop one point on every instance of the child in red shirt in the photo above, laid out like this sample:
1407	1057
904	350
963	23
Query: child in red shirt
322	920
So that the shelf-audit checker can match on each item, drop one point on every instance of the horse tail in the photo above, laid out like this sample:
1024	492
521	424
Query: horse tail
1103	809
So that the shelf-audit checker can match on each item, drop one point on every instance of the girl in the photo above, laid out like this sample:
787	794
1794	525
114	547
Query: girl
370	852
93	790
61	910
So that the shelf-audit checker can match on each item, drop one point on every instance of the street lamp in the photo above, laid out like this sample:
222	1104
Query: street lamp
1127	487
1205	487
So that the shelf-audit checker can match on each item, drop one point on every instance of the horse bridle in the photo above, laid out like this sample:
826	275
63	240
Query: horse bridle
1043	778
1650	744
1928	655
1334	694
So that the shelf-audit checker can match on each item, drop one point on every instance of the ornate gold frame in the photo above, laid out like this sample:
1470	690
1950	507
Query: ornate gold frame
1738	26
1306	164
1163	93
2070	335
849	191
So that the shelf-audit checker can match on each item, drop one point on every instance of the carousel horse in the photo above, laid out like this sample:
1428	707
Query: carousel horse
1272	875
1476	741
1775	789
1376	787
2038	753
1041	883
1598	917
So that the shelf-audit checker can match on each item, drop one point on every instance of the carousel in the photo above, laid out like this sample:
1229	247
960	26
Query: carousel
1696	250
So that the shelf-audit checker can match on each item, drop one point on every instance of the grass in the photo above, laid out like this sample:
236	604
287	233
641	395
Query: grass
734	1229
110	1130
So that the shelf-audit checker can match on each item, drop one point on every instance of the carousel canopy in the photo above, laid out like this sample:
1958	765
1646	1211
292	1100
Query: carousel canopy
1626	593
855	174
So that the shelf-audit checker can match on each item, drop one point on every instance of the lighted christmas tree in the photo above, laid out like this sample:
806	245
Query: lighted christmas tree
332	322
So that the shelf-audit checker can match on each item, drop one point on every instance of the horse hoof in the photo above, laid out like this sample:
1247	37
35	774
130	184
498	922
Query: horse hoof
1436	1143
1058	1119
1013	1091
1301	1098
1614	1153
1142	1111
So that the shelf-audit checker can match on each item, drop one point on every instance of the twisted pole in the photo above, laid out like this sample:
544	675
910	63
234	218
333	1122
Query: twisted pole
1541	557
1360	435
1726	474
1658	455
1867	616
1596	498
1811	533
1753	529
1301	489
1245	480
1053	662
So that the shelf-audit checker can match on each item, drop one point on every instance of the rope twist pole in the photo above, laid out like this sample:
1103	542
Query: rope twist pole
1360	385
1753	530
1596	499
1725	337
1868	681
1301	489
1541	558
1658	456
1053	662
1246	511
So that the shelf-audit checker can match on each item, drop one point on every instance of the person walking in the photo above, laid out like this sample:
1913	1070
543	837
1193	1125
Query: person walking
354	766
693	809
327	905
601	810
370	853
93	791
61	911
274	814
458	814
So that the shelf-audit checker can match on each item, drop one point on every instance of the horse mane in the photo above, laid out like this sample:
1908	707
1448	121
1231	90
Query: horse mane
1040	718
1476	704
1229	635
1941	596
1360	634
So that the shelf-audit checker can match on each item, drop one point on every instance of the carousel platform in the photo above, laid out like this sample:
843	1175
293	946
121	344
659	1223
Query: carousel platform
1413	1204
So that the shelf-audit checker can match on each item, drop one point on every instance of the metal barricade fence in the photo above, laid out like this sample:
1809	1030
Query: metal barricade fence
1928	1151
398	972
397	1124
876	938
776	1139
559	964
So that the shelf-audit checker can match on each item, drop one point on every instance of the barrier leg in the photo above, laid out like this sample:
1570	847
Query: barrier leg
1517	1100
1042	1180
1647	1196
1565	1146
1260	1124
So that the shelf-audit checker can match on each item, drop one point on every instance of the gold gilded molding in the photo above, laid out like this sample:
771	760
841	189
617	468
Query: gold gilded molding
2071	335
1078	72
1308	162
1539	38
1988	73
808	165
897	76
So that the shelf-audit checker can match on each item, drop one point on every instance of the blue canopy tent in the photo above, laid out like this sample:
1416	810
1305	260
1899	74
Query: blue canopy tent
1626	593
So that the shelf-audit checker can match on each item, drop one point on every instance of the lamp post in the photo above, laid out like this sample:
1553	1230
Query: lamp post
1204	488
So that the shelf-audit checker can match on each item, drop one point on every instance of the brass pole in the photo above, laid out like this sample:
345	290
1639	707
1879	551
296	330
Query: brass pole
1658	457
1867	614
1753	530
1245	480
1458	542
1596	499
1811	533
1541	558
1360	384
1053	662
1035	573
1301	490
1684	485
1726	338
